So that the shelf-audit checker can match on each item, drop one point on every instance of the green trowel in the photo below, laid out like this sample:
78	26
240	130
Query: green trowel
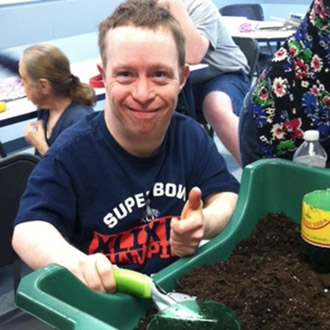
186	313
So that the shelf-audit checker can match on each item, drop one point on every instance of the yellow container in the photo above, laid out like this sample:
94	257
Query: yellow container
315	230
3	107
315	220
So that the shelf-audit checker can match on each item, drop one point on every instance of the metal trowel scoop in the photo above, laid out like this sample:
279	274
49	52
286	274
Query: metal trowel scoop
178	313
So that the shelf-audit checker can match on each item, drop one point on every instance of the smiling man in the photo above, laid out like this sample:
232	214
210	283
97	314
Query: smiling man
138	185
142	90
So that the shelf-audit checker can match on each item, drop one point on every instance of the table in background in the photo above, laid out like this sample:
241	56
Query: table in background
262	31
266	35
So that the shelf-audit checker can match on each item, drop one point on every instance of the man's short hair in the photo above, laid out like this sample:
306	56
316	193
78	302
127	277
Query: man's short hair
143	14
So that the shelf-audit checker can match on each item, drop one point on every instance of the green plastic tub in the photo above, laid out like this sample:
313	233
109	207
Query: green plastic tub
55	296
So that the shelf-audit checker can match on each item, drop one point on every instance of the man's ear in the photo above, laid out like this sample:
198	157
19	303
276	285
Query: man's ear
101	70
184	76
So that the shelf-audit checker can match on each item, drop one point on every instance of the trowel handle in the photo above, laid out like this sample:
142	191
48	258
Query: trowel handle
132	282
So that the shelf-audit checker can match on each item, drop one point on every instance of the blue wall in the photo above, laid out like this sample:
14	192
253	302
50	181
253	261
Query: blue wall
53	19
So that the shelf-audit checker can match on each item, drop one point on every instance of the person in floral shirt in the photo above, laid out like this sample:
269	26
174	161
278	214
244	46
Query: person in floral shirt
292	94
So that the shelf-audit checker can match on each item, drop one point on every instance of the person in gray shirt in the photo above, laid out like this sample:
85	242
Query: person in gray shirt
218	94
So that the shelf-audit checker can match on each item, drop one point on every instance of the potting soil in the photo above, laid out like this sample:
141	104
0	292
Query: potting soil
266	281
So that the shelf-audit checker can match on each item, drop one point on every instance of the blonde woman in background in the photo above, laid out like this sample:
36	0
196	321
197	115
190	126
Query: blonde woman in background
62	99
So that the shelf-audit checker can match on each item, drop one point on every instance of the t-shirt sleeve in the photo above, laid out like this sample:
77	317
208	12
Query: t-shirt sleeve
47	198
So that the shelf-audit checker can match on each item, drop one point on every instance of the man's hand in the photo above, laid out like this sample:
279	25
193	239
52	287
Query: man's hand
96	272
49	246
194	202
200	220
187	233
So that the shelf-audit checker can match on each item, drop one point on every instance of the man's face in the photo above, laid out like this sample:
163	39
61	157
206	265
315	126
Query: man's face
142	81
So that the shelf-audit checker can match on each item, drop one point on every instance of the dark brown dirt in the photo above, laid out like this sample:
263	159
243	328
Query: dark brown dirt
265	281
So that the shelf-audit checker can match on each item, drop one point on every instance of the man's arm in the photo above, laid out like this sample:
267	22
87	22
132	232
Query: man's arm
39	243
196	44
217	212
200	221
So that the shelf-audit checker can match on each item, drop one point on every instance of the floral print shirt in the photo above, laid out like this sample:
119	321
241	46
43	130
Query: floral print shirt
293	93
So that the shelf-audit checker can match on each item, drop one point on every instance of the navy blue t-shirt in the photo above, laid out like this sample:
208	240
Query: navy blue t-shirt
103	199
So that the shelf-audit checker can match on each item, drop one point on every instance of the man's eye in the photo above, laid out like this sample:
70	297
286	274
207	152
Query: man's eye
123	74
124	77
160	74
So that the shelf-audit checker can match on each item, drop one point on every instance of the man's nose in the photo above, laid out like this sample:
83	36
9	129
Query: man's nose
143	90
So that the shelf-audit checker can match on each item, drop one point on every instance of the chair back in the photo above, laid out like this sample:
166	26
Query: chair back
14	172
250	48
251	11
